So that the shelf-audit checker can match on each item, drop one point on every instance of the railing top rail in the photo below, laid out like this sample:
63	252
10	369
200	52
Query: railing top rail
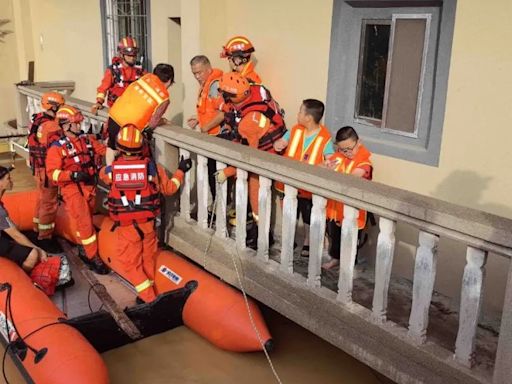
37	90
476	228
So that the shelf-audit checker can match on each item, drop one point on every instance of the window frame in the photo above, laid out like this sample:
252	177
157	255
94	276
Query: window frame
111	36
424	145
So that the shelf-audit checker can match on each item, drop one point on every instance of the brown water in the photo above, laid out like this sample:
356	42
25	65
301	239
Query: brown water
181	356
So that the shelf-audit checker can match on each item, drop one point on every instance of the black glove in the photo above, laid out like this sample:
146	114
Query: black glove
185	164
148	133
78	177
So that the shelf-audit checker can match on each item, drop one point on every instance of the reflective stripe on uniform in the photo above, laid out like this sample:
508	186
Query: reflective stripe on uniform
143	286
154	95
55	175
295	143
176	182
314	153
89	240
263	121
46	226
100	95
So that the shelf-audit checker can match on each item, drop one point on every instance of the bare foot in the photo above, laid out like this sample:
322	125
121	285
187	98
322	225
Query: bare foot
331	264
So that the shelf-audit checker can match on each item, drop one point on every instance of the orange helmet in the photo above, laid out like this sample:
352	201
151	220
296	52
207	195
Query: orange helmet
234	86
128	46
129	139
52	100
237	46
68	114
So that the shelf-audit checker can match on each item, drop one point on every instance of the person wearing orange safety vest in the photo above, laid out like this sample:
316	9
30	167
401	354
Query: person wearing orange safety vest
43	131
351	158
70	164
258	122
136	183
142	104
238	51
123	71
308	142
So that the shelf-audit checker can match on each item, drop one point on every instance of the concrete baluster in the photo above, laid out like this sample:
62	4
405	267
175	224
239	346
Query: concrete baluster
221	209
289	222
202	192
265	207
242	192
316	240
348	253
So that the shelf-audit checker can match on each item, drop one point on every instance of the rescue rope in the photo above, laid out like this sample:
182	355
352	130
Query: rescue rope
239	278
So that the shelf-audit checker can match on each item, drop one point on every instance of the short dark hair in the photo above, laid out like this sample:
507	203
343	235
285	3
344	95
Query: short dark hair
200	59
5	170
314	108
164	72
345	133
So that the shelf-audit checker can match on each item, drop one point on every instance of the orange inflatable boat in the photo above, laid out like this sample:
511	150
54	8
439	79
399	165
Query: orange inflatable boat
215	310
36	329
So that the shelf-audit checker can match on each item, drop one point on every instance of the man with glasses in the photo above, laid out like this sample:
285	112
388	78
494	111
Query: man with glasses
351	158
123	71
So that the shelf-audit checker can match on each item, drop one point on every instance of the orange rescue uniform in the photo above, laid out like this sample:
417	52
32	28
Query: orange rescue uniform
77	154
250	74
136	244
46	203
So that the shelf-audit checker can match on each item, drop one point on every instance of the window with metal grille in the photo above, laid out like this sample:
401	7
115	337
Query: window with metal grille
121	18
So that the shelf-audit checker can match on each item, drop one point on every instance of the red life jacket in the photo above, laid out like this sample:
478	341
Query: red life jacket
46	274
260	100
120	81
134	195
37	151
78	159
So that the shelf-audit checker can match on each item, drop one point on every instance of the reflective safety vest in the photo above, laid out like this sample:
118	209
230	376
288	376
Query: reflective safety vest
139	101
121	82
134	195
206	107
37	150
313	154
78	158
334	209
260	100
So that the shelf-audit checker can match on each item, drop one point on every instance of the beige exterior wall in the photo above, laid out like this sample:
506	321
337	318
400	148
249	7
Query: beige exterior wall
9	74
292	42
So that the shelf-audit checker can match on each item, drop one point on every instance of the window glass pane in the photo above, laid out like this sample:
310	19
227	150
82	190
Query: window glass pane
405	74
372	70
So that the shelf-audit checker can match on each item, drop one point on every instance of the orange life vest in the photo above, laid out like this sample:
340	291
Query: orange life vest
260	100
334	209
134	195
206	106
313	154
139	101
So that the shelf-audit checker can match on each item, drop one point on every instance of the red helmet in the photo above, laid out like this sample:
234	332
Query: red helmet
234	86
52	100
68	114
128	46
129	139
237	46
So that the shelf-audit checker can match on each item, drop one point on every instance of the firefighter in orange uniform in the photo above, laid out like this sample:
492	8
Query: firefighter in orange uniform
351	158
308	142
238	51
258	119
43	131
70	164
142	104
134	203
123	71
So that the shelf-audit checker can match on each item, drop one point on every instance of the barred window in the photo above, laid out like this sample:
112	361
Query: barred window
122	18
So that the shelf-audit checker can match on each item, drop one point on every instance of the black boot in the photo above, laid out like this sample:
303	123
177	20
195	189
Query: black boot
251	240
95	264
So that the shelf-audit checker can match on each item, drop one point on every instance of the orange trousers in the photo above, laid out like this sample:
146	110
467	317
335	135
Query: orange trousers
79	205
46	205
137	257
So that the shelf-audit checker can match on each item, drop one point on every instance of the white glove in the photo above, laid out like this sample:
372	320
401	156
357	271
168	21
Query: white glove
220	176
